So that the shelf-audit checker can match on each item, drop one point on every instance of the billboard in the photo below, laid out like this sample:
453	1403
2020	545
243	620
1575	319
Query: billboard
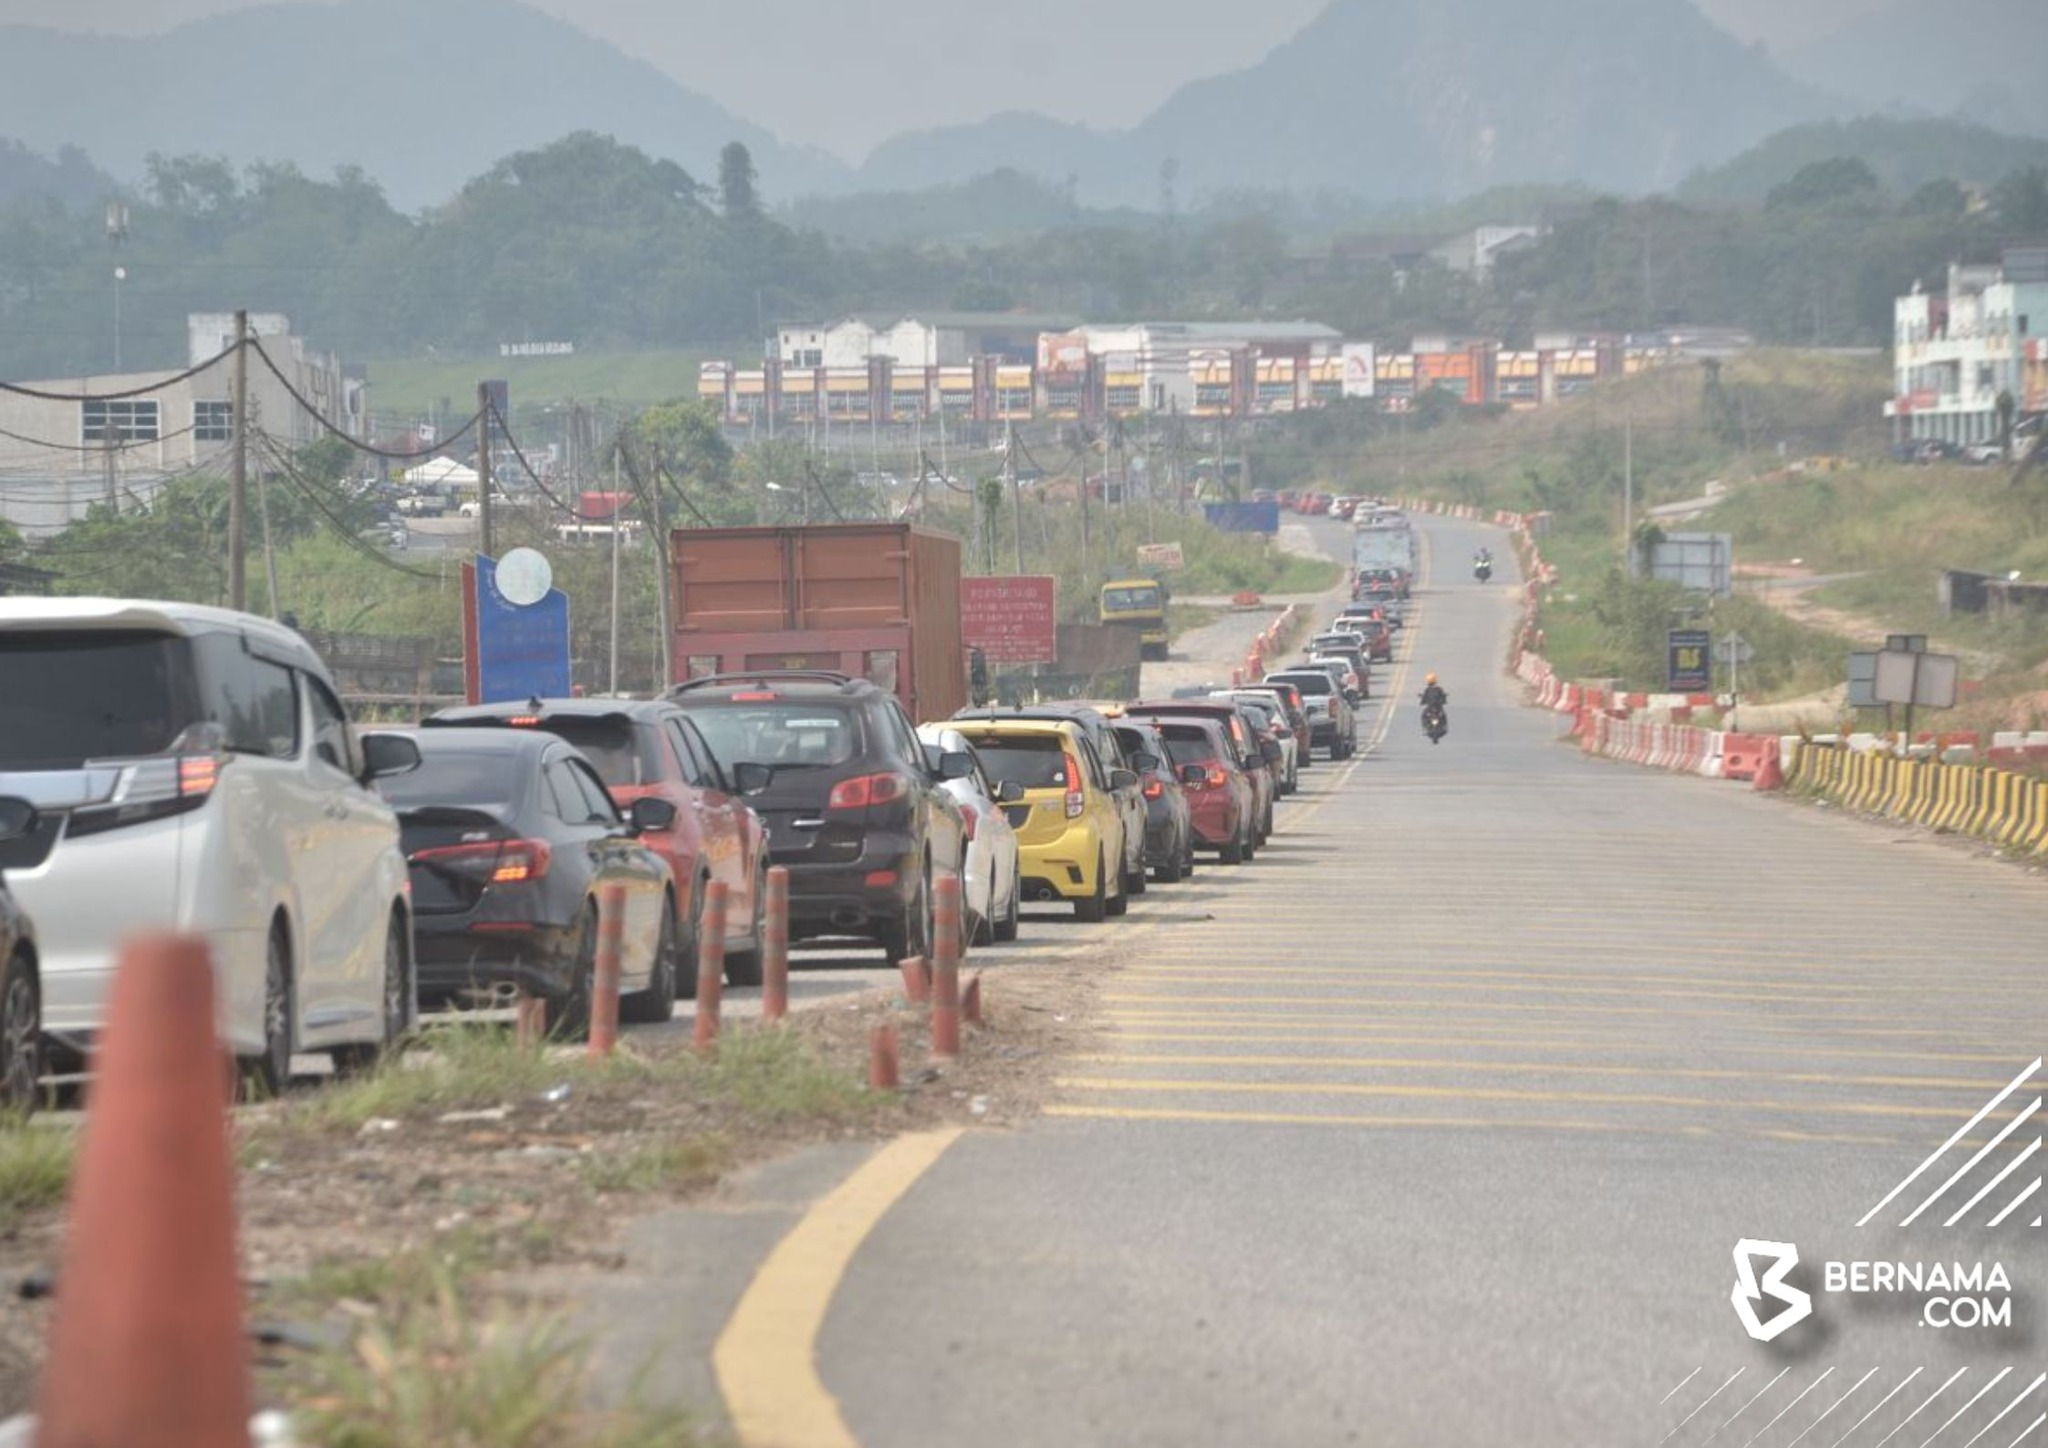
511	650
1012	620
1702	562
1361	370
1166	557
1689	661
1243	517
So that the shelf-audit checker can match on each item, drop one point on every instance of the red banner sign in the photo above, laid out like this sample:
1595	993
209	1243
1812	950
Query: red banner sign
1011	620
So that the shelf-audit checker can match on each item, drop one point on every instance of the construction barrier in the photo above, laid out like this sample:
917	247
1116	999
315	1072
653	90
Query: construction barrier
2001	806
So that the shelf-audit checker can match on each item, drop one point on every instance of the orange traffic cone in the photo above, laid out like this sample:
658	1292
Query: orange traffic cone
146	1349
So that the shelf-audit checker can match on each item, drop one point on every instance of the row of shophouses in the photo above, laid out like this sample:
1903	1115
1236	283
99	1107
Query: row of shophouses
1003	369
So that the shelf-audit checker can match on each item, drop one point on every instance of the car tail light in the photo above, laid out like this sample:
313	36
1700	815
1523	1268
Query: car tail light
1154	789
969	823
1216	778
868	789
754	698
494	862
524	721
1076	800
198	774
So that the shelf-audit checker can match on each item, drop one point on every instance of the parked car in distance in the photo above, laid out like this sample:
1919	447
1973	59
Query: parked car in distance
849	795
1069	823
1247	748
1330	720
1271	721
644	748
1130	800
192	769
1289	699
1219	791
1354	651
1169	825
991	886
511	839
21	1017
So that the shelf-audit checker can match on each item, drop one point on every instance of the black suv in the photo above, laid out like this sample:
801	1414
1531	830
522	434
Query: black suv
850	797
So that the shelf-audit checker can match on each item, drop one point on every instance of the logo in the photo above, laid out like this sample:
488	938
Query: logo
1748	1294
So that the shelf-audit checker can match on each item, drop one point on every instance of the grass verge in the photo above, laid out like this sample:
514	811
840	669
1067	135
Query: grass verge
35	1169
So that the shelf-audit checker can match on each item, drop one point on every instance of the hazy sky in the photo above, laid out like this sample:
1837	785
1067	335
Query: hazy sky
845	75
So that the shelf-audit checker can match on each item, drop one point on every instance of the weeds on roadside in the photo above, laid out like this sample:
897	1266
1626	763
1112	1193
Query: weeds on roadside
437	1369
35	1168
658	1166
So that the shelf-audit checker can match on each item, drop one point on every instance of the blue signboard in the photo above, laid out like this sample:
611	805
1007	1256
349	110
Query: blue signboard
1689	666
519	652
1243	517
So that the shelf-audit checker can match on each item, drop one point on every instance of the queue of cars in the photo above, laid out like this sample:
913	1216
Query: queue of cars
169	766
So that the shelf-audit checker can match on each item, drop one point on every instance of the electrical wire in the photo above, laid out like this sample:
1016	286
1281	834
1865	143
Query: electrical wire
576	514
312	410
315	497
96	448
158	386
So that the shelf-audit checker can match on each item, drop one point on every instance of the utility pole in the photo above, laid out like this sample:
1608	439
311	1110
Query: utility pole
238	477
483	469
1016	489
618	525
1628	493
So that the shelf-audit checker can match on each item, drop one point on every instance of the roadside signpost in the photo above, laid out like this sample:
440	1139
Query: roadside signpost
1688	665
515	629
1012	620
1734	651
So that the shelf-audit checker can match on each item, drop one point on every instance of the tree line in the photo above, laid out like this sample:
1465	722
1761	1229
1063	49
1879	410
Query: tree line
591	241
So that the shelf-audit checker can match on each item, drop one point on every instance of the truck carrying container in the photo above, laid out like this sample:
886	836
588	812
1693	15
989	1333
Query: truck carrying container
875	600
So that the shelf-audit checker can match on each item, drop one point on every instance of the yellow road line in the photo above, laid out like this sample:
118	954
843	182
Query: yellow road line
1428	1123
1315	1035
1496	1093
766	1357
1549	1068
1184	1000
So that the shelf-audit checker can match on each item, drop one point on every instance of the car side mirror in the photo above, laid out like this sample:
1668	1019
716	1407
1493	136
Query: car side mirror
956	764
749	777
1271	751
1193	774
17	818
650	814
1144	761
1122	779
1352	696
1009	792
387	754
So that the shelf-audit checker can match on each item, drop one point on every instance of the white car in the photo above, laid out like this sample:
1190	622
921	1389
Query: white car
193	770
991	887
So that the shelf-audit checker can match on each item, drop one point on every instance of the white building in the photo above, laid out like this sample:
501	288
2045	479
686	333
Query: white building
1475	252
942	339
59	454
1955	352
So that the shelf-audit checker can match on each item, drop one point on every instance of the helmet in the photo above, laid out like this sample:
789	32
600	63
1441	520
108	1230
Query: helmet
1431	679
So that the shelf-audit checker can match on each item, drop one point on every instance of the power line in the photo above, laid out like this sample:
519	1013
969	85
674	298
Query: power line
314	496
158	386
309	407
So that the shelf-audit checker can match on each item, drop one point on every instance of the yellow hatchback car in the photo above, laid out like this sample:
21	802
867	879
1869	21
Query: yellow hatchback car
1070	833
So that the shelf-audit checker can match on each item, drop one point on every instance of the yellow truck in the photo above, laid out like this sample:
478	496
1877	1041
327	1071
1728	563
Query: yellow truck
1137	603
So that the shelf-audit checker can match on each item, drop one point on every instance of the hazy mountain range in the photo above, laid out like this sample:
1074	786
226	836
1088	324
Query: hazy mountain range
1384	99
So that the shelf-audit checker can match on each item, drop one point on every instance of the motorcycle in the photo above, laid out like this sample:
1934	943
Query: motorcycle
1435	723
1483	570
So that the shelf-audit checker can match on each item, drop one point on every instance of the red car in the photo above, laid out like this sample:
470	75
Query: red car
1218	788
650	748
1245	756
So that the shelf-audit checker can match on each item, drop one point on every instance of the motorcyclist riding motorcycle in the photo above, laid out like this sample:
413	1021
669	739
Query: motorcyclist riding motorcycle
1436	712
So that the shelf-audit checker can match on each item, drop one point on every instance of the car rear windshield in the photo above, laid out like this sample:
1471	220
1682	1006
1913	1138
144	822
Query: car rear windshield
480	779
69	695
1316	683
1036	761
624	755
789	733
1189	744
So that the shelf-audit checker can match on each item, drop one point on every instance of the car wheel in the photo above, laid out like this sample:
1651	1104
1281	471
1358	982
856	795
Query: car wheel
21	1035
569	1007
1006	928
656	1004
395	1005
743	967
1120	902
266	1075
1096	906
913	936
1137	882
1169	873
687	945
1232	852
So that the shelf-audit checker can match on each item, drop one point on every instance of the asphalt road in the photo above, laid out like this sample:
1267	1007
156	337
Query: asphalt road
1441	1125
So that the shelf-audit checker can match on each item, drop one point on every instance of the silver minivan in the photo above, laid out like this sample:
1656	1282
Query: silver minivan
193	769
